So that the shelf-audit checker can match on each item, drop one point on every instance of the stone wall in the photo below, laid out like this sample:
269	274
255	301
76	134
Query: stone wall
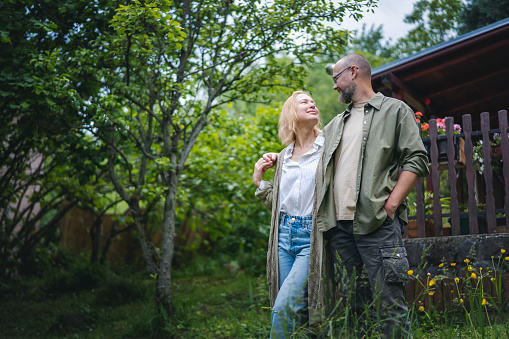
482	250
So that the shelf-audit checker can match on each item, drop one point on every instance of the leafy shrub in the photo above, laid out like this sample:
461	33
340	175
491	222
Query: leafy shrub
44	259
201	266
79	276
120	290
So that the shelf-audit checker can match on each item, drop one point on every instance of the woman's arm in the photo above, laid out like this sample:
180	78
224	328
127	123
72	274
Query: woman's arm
261	166
264	193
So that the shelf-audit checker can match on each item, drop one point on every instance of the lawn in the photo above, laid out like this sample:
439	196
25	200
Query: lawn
95	302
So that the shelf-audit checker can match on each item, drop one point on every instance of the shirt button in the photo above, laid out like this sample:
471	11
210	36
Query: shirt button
293	219
366	111
365	121
364	138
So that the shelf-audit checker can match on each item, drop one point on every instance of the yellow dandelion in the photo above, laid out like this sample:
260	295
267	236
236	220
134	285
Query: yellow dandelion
461	300
502	250
410	272
453	264
470	268
506	258
466	260
492	279
474	275
484	302
431	293
431	282
421	308
441	265
480	268
457	280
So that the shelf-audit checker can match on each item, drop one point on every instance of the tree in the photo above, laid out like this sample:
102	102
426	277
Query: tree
370	42
478	13
436	20
41	145
169	65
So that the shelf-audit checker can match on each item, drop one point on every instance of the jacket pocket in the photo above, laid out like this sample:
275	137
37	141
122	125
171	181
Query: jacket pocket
395	264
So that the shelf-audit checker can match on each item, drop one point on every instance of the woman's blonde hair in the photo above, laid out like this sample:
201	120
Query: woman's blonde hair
288	120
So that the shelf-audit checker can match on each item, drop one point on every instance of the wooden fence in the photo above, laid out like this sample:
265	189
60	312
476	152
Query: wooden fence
471	172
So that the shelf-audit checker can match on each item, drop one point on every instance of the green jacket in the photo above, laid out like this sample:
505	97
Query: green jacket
390	140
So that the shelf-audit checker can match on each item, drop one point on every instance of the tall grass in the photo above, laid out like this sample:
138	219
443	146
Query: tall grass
211	301
478	307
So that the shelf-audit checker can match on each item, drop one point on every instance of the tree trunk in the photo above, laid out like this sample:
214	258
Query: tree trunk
163	294
96	234
146	247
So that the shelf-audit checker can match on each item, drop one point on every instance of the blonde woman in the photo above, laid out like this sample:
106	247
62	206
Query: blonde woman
294	283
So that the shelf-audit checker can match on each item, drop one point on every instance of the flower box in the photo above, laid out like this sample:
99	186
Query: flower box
459	148
429	228
465	224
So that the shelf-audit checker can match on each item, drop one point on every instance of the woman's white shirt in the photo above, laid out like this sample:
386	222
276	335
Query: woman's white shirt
297	185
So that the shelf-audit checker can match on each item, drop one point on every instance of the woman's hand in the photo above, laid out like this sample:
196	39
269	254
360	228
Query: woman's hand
262	165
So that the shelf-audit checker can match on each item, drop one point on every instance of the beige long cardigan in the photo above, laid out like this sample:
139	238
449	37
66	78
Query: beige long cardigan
321	288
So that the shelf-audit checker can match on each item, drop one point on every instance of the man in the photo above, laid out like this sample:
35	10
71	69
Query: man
365	148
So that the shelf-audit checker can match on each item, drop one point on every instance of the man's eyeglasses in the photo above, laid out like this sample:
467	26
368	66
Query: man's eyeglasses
335	77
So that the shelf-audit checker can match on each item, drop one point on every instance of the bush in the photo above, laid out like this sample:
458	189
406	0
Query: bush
78	277
117	290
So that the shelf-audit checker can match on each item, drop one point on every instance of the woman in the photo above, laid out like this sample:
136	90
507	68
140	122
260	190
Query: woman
291	199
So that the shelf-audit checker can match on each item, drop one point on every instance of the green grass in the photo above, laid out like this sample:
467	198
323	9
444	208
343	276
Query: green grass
222	305
208	304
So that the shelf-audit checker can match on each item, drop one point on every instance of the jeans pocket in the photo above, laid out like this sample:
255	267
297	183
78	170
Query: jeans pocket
395	264
308	227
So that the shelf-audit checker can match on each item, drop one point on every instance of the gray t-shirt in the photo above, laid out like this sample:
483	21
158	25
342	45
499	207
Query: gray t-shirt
346	164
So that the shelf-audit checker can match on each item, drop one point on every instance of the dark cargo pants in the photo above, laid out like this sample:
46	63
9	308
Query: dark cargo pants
380	288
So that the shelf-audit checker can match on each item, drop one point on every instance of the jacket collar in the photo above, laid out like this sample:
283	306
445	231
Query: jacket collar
375	102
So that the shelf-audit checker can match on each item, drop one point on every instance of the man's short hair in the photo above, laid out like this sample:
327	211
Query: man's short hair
359	61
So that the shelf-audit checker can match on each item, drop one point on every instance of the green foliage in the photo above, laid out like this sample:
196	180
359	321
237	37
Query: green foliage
436	21
45	158
496	158
216	200
478	13
370	44
78	276
119	289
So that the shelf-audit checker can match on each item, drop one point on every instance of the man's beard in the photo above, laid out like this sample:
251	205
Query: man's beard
346	95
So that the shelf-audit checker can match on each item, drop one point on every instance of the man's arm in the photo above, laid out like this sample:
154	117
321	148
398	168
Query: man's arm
404	186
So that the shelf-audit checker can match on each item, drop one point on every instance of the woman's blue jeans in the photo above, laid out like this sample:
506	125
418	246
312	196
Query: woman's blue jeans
293	256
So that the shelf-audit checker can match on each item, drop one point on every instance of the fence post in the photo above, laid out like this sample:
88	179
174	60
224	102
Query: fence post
419	200
504	145
435	177
451	162
470	174
491	220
